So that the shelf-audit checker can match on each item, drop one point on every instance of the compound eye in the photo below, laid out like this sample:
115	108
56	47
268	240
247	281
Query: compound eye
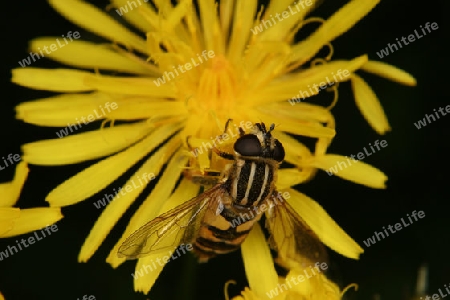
248	145
278	151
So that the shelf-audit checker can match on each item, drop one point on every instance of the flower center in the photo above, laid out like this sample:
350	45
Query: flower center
216	90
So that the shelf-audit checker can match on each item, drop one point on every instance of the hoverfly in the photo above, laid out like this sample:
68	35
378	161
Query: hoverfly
208	221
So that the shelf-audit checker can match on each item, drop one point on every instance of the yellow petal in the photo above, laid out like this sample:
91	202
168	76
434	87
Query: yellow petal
226	16
288	177
56	80
301	85
211	33
32	219
147	270
131	13
296	15
242	22
369	105
10	191
184	192
294	125
8	217
83	146
318	286
152	206
131	86
67	108
300	110
132	108
92	56
352	170
323	225
258	263
389	72
94	20
341	21
116	208
98	176
2	297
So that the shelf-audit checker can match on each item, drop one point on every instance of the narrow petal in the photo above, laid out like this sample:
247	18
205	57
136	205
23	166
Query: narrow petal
98	176
295	126
301	85
132	108
133	15
63	109
389	72
32	219
87	55
212	35
94	20
145	282
83	146
226	16
154	203
323	225
10	191
184	192
296	15
369	105
355	171
131	86
300	110
341	21
56	80
288	177
259	268
8	217
116	208
244	14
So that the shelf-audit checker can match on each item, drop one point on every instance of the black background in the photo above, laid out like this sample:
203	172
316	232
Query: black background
415	162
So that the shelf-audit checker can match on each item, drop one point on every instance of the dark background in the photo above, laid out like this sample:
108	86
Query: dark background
416	162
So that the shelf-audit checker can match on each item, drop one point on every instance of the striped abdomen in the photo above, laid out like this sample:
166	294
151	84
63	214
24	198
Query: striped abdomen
249	182
223	234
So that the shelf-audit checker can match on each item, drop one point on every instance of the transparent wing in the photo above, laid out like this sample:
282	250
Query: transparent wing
290	236
174	227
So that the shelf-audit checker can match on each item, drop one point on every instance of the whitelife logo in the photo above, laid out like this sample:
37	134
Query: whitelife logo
90	118
333	170
10	158
411	38
284	15
318	87
295	281
398	227
165	260
53	47
123	191
221	138
244	217
423	122
31	240
188	66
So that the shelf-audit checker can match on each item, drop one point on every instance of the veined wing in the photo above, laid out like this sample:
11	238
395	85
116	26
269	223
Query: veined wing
290	236
178	225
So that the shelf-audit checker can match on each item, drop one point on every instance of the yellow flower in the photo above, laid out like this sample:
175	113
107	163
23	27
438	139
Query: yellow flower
229	73
15	221
306	283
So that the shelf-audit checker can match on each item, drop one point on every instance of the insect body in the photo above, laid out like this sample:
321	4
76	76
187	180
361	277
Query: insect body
218	220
